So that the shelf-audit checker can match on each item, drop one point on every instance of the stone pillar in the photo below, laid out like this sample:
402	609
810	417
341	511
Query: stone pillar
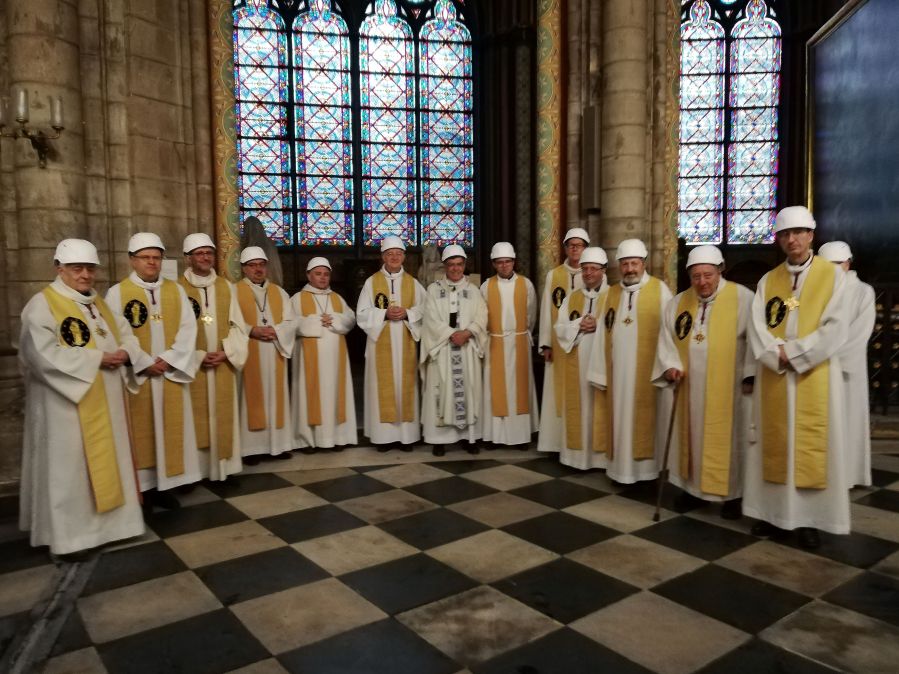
625	121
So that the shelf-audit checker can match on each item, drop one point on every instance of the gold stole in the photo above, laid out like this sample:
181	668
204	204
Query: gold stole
310	364
572	375
384	356
252	371
93	411
648	319
224	374
497	351
560	281
717	433
812	388
172	394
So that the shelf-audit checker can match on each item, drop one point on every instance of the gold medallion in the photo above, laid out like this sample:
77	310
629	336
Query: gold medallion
628	320
699	337
791	303
207	318
156	317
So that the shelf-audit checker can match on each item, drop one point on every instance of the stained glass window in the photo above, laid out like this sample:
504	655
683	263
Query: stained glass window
729	96
355	120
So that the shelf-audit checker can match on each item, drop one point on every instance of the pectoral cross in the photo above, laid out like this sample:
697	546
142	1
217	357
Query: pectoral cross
792	303
699	337
207	319
156	317
628	320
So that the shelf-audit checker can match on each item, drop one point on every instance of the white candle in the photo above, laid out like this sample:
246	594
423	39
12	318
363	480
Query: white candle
22	106
56	113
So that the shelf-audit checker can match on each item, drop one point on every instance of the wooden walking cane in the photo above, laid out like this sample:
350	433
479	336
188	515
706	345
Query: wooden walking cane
663	474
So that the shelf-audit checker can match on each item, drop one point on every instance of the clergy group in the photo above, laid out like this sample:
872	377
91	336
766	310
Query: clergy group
754	400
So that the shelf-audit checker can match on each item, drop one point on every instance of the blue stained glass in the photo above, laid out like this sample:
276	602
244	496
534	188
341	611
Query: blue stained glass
750	226
387	160
378	225
752	159
702	126
442	229
754	124
326	227
448	162
700	226
700	194
702	160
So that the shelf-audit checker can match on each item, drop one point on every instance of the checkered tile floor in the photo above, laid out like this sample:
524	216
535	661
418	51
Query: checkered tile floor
482	566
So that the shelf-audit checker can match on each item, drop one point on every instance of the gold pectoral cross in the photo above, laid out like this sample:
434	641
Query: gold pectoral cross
156	317
791	303
627	320
207	319
699	337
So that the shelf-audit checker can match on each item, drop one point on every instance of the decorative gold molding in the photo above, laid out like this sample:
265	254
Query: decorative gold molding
672	144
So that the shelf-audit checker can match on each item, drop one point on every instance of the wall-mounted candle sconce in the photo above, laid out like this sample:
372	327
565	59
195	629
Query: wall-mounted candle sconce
39	139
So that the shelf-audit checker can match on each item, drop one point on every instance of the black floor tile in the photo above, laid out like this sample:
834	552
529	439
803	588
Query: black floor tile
301	525
558	493
565	590
746	603
548	466
206	644
855	549
18	554
882	478
256	575
760	657
406	583
344	488
873	594
368	469
464	465
384	647
12	628
885	499
132	565
697	538
561	652
560	532
73	636
432	528
648	492
450	490
168	523
250	483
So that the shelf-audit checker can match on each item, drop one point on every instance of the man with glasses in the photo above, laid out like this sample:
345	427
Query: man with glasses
160	316
222	351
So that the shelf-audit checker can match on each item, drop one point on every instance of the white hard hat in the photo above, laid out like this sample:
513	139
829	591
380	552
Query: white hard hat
76	251
631	248
453	250
252	253
194	241
794	217
594	255
143	240
576	233
391	242
502	249
317	262
705	255
835	251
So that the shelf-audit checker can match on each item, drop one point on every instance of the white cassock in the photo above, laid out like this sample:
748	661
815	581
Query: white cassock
370	318
235	348
785	505
550	436
182	358
854	360
514	429
271	439
668	356
56	498
329	432
624	467
572	341
452	397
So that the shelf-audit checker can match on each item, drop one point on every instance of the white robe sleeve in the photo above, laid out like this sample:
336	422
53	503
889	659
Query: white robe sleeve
436	331
307	326
286	330
596	367
667	354
477	325
820	345
370	318
343	321
763	344
532	309
568	332
182	354
544	340
854	352
745	298
237	344
415	313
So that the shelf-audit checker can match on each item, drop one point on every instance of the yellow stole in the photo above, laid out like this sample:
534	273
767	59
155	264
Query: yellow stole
133	298
648	319
572	373
225	380
252	370
310	364
717	433
93	409
560	286
384	354
497	350
812	388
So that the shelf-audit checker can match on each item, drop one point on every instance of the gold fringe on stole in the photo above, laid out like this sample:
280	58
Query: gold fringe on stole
225	378
811	431
560	279
499	400
717	434
93	413
310	364
252	371
172	394
573	391
384	357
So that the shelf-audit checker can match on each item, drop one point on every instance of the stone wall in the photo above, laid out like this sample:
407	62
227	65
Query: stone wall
135	155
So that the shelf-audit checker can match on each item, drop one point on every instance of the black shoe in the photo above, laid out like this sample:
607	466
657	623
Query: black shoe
163	499
473	448
406	448
283	456
384	448
808	538
686	501
308	450
336	449
79	556
732	510
438	450
251	460
523	447
763	529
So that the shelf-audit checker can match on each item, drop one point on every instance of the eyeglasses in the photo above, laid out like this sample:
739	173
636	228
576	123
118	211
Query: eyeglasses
572	244
147	258
203	253
255	265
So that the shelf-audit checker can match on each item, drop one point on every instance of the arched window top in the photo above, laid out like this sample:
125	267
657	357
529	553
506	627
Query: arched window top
700	25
